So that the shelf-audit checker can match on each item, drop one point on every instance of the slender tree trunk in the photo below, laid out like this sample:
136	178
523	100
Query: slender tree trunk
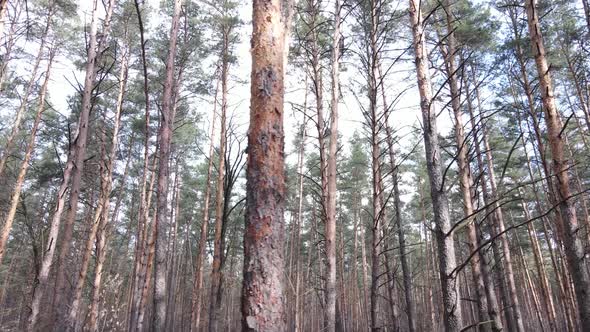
143	210
201	253
161	223
216	275
11	41
106	188
407	275
545	289
446	246
29	88
73	171
492	305
78	155
300	210
101	249
330	231
263	306
466	184
15	198
571	241
147	275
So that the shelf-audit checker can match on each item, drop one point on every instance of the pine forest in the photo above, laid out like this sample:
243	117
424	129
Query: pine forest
295	165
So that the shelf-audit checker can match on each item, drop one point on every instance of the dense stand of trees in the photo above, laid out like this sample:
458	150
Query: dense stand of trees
400	166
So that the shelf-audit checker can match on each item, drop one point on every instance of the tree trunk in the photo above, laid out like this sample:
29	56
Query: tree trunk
15	199
571	241
161	223
134	298
201	253
106	188
216	275
330	231
262	292
101	249
78	155
73	171
29	88
446	246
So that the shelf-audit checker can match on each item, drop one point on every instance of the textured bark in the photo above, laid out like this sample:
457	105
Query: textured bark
101	249
100	220
262	293
73	171
216	292
78	155
330	231
373	120
15	198
446	246
161	223
201	253
29	88
150	253
571	239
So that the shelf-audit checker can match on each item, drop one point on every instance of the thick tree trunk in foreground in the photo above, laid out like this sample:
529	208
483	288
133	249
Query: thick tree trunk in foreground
161	223
446	247
263	306
571	239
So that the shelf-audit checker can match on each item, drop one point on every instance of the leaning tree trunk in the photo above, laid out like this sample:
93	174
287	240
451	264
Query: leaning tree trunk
263	306
161	223
29	88
78	155
446	247
73	170
15	198
99	221
571	239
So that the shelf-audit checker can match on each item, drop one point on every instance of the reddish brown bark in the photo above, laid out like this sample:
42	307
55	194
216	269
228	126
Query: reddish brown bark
262	292
573	246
